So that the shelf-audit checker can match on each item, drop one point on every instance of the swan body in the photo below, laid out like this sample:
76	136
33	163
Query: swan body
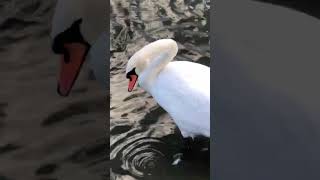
185	95
182	88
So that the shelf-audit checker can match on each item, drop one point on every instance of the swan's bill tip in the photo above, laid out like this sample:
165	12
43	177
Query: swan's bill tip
61	92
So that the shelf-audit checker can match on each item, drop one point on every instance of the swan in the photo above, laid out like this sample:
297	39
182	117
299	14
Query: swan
182	88
79	33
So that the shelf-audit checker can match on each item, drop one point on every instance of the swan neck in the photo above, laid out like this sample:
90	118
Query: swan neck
151	72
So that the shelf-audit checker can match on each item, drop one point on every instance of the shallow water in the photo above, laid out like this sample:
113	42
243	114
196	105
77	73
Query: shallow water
144	140
42	135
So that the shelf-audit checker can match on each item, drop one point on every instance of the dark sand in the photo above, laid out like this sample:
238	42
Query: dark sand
42	135
143	137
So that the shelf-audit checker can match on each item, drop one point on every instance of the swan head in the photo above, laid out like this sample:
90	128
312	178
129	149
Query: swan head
76	25
150	60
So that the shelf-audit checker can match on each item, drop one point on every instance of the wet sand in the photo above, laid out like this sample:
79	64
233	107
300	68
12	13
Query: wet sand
42	135
144	139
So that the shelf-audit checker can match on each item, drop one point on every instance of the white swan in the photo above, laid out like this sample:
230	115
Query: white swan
78	28
182	88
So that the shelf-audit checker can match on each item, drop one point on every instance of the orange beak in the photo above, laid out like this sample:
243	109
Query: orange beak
71	63
132	82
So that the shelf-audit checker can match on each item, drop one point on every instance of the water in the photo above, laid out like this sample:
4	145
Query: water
144	140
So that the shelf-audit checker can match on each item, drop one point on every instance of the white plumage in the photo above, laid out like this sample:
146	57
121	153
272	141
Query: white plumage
182	88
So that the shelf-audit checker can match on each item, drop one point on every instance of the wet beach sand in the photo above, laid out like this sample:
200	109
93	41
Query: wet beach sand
44	136
144	139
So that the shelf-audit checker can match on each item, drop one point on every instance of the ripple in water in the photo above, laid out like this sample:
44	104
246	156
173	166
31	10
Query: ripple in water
141	156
